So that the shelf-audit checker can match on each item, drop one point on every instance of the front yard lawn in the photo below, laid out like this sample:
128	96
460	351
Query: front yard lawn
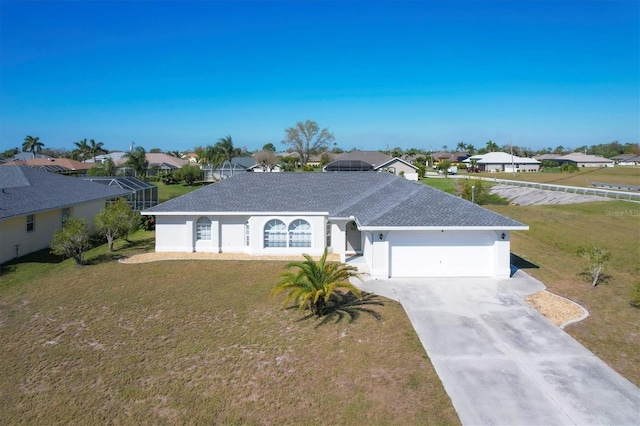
198	342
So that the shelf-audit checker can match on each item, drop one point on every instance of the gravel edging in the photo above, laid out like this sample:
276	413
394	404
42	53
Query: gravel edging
557	309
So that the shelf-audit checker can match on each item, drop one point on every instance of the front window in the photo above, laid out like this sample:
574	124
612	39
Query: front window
247	234
328	234
275	234
299	233
203	229
31	224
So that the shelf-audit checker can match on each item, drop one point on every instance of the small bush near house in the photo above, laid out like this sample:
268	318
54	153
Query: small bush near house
72	241
188	174
148	223
570	168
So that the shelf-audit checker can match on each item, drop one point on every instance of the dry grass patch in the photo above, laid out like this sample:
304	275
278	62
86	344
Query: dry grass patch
612	330
200	342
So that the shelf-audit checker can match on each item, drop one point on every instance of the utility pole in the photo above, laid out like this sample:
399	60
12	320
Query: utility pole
513	168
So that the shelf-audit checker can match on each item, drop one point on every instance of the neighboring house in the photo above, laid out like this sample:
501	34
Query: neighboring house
63	166
158	162
259	168
550	157
34	204
400	167
585	160
375	158
503	162
360	161
453	157
627	159
226	169
118	157
401	228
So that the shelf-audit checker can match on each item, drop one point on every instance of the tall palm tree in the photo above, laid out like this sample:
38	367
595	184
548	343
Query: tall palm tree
492	146
311	285
460	147
95	148
137	160
226	152
471	149
83	149
32	144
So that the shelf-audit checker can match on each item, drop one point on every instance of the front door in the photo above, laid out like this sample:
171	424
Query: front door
354	238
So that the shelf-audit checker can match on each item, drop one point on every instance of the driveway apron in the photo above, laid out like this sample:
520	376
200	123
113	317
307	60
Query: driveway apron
503	363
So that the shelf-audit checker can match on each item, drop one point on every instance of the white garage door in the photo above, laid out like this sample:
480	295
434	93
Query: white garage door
441	254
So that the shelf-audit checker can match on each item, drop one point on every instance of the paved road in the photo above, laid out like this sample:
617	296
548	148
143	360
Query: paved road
501	362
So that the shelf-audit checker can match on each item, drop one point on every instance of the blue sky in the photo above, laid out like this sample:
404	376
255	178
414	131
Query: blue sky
174	75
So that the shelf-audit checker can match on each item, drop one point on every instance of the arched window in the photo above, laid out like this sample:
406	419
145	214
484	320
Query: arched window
203	228
275	234
299	233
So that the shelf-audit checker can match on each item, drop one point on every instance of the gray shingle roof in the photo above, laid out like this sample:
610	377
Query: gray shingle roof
25	191
374	199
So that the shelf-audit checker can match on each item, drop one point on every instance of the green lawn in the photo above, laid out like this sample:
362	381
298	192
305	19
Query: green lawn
198	342
167	192
612	330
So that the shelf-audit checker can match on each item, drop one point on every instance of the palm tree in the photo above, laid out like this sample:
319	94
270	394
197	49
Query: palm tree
137	160
95	148
83	149
32	144
471	149
226	152
313	283
492	146
460	147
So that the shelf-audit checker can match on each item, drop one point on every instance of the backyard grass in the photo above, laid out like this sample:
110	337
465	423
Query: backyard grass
620	175
167	192
198	342
612	330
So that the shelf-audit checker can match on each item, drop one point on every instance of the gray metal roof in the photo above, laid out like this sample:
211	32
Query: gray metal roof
24	190
374	199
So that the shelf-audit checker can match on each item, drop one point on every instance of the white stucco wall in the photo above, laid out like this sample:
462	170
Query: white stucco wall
14	231
178	234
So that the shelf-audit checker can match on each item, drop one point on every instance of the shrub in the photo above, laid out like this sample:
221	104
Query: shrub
148	223
596	257
72	241
570	168
635	294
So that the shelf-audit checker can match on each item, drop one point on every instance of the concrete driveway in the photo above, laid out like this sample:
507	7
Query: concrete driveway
501	362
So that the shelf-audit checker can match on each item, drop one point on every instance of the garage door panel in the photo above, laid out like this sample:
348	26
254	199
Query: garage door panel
432	254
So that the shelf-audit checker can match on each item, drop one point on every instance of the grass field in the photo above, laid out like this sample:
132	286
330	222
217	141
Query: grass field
167	192
583	177
612	330
198	342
